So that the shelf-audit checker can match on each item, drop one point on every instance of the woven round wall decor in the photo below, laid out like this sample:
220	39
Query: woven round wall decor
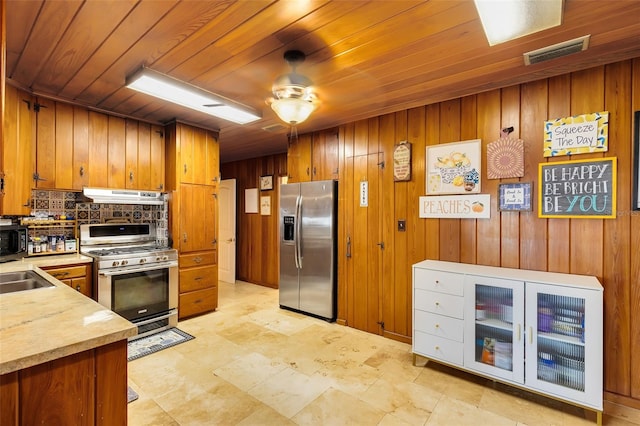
505	158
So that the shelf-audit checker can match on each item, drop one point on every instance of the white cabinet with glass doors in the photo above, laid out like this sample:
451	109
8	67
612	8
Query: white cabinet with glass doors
540	331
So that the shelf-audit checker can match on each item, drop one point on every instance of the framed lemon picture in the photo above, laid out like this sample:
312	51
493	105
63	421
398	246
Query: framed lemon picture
454	168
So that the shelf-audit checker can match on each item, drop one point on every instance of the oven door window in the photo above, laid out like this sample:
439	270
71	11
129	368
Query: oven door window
138	295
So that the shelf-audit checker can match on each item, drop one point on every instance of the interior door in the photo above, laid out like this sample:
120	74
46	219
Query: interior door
227	240
364	235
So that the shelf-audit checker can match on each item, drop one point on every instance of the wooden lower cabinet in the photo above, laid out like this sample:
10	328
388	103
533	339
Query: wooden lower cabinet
87	388
198	292
75	276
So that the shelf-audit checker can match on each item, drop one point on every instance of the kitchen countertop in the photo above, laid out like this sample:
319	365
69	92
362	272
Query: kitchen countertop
56	260
44	324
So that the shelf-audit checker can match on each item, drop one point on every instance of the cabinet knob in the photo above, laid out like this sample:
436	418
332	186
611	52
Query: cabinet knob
437	282
185	168
437	348
184	237
78	288
81	170
437	325
130	176
437	303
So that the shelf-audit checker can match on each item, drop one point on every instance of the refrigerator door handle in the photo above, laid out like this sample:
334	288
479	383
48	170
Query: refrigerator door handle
298	218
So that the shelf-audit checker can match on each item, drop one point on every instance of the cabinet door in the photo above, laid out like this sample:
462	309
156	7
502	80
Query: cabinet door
325	155
18	154
212	167
136	151
198	226
299	159
157	159
46	143
564	342
494	327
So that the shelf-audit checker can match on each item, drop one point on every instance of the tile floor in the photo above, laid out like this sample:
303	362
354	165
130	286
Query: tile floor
252	363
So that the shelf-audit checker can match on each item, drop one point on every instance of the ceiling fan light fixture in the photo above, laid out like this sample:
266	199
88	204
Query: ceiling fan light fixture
182	93
293	110
294	99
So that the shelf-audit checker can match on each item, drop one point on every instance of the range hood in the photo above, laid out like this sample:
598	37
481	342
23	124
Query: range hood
123	196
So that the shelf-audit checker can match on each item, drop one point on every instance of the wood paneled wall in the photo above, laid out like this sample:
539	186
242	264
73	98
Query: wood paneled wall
606	248
257	250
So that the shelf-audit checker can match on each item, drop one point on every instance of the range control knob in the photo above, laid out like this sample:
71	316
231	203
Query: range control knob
165	257
158	259
125	262
115	263
143	260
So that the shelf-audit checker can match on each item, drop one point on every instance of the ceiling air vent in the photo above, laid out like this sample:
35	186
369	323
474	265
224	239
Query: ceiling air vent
274	128
557	50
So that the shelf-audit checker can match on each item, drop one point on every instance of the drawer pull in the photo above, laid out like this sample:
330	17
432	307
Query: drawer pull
197	278
198	301
197	259
519	332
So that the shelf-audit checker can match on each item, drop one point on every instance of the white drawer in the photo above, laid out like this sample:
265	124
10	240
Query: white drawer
442	282
439	303
439	325
438	348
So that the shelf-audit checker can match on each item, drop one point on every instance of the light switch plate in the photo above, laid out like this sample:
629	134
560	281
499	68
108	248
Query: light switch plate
402	225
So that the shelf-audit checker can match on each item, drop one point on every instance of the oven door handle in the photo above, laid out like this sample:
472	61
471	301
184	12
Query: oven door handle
129	269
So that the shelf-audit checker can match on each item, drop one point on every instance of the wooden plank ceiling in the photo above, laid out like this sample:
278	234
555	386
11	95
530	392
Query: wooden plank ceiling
365	58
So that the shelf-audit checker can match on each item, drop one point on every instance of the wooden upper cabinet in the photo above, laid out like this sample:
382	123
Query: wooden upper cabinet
156	159
212	166
325	155
77	148
117	153
299	159
197	155
18	162
313	157
137	145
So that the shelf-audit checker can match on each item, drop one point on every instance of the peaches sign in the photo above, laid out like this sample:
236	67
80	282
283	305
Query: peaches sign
456	206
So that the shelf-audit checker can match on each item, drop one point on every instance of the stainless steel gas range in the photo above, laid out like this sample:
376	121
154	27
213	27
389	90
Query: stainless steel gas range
133	276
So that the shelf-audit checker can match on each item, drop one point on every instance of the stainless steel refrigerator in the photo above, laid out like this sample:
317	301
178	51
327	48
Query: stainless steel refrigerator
308	247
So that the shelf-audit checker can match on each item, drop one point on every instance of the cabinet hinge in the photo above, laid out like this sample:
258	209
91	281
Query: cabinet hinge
215	196
381	324
381	244
2	183
381	164
37	106
28	102
36	177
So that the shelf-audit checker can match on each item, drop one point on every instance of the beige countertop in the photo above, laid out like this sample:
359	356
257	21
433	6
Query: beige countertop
44	324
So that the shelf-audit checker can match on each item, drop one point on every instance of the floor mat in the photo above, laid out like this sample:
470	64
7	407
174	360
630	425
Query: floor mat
131	395
156	342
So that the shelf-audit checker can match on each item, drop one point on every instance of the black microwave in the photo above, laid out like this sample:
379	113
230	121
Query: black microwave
13	242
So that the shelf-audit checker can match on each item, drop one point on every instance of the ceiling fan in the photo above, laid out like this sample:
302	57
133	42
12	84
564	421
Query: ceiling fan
293	98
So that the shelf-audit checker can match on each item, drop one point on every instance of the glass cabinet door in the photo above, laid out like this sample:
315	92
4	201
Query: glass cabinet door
494	336
558	326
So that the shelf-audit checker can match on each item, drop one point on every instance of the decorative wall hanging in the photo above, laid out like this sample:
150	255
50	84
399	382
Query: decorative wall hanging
505	157
251	200
402	162
454	168
579	134
636	162
265	205
476	206
580	189
514	196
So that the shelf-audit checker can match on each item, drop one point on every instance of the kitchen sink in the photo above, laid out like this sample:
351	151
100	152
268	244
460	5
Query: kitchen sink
11	282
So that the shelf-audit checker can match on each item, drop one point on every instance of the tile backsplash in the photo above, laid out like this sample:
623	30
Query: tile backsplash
56	203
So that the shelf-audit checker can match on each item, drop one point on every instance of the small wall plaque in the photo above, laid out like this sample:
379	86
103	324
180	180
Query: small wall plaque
402	162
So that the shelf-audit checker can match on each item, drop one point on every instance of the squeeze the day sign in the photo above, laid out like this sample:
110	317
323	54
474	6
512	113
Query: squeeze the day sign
585	188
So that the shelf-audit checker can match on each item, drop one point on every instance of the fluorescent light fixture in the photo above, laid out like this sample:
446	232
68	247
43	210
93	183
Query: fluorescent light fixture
179	92
505	20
